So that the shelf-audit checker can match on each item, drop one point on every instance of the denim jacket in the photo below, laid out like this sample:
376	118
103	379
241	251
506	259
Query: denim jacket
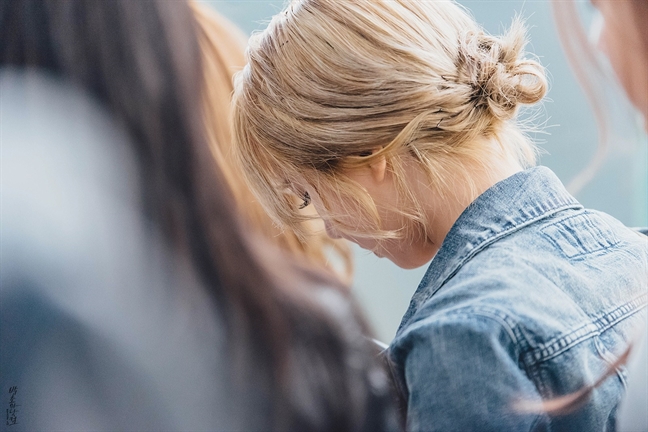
530	297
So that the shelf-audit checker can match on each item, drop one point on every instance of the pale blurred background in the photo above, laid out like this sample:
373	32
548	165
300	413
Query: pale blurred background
568	142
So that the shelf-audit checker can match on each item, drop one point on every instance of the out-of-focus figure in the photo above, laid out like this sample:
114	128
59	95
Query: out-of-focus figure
624	40
131	297
102	324
623	37
222	45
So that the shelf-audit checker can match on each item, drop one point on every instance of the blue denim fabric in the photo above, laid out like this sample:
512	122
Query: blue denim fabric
530	297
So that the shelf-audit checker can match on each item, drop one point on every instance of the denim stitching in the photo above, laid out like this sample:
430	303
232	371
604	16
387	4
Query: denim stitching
603	243
522	344
553	348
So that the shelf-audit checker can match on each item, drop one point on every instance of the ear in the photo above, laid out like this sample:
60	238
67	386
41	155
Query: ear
378	169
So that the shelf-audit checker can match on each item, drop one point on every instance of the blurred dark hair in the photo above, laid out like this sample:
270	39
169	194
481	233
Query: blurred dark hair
141	59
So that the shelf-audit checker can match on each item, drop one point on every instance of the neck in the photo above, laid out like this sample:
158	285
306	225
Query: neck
461	190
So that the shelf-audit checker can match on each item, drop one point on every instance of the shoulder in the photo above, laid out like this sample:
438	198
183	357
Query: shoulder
562	273
461	370
457	330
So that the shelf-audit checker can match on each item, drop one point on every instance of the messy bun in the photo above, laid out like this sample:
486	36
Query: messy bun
329	80
497	74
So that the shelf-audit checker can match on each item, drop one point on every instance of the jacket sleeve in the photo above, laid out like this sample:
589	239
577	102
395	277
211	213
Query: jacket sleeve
462	373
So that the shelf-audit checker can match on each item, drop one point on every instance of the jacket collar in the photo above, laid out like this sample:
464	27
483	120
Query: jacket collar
506	207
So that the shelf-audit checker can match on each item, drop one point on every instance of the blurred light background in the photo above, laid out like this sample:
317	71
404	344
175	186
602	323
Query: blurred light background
568	142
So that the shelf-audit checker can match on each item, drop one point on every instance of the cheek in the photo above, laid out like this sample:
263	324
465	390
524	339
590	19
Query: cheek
331	231
407	254
364	243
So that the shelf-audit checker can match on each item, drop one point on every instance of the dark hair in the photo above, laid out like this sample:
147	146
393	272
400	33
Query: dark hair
141	59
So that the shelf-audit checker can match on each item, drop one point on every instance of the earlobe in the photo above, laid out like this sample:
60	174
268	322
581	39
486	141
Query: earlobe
378	169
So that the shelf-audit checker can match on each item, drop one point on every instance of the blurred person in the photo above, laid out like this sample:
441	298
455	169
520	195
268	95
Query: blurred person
131	297
397	120
624	40
222	46
623	37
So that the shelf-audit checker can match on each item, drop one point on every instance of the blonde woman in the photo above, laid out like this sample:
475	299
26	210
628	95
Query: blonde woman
222	45
397	121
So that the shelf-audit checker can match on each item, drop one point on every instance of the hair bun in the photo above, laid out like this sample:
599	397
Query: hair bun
499	77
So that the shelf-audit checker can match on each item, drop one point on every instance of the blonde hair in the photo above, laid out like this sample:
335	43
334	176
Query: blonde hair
222	45
330	80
